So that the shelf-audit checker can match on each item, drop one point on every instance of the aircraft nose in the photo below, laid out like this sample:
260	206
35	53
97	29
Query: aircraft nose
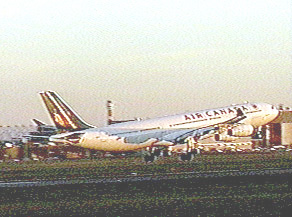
274	113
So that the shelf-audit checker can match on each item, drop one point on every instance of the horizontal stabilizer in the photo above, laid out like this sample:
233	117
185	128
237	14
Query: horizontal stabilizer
38	122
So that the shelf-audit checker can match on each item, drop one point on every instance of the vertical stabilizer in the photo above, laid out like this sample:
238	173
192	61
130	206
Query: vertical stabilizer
61	113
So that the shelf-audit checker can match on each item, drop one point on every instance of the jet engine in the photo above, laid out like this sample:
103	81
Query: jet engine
242	130
224	137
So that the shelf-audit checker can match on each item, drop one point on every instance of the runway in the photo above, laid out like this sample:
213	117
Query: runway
195	176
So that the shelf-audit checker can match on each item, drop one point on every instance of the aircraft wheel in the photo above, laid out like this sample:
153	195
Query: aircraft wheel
187	157
150	158
156	153
165	153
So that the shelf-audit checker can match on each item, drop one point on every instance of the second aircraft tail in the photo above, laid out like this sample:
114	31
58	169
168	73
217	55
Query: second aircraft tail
63	116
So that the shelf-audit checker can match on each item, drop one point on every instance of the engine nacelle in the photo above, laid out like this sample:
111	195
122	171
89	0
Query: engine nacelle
222	128
222	137
242	130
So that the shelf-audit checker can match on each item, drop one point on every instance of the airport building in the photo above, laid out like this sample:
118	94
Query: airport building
280	130
15	133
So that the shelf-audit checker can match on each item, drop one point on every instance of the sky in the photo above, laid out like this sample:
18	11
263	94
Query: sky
151	58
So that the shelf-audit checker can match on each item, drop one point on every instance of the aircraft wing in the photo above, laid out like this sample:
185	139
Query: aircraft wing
179	136
200	133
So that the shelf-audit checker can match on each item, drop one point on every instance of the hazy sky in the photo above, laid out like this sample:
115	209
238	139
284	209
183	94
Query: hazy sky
151	58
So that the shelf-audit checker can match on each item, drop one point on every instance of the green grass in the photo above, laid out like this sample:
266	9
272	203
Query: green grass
115	166
208	197
150	199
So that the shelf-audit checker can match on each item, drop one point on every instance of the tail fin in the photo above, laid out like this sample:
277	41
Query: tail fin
62	115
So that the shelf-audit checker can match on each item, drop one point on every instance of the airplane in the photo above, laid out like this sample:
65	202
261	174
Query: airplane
225	123
42	133
44	128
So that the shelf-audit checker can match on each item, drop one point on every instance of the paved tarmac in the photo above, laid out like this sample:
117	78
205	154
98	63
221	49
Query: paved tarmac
153	177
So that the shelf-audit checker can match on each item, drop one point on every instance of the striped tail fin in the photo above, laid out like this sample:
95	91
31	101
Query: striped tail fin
61	113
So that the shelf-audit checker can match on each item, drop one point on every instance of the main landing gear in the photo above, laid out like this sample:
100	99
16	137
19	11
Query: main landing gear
151	155
189	155
191	150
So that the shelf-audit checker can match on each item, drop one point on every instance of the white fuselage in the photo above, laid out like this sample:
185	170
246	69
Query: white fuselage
257	114
144	133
